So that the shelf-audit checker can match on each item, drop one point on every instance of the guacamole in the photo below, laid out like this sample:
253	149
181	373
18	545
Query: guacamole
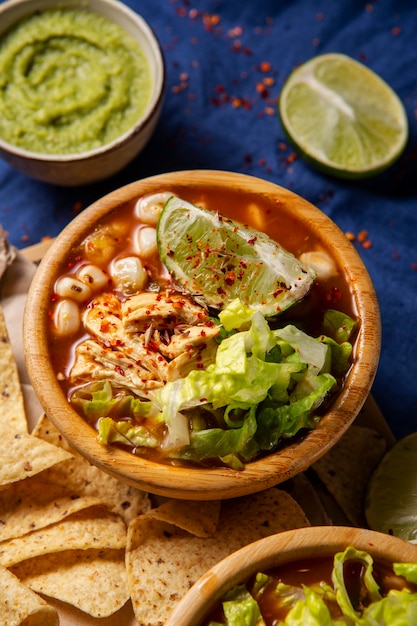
70	81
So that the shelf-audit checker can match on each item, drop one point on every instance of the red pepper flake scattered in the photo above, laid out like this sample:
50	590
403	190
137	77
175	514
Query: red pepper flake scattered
77	207
237	31
265	66
396	31
25	238
369	8
270	111
210	20
193	13
291	158
319	17
362	236
230	278
395	254
237	47
260	88
316	41
414	267
334	295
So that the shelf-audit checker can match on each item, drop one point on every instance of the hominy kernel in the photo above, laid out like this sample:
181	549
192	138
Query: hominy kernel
146	242
66	317
70	287
93	276
148	208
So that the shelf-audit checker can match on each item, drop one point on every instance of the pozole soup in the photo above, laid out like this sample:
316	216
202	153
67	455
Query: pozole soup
160	369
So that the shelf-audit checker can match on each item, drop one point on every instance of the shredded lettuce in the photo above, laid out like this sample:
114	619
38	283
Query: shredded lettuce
338	578
275	376
110	431
408	570
241	609
309	605
264	387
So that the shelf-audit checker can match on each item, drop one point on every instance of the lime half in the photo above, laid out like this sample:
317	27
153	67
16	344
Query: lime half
219	260
391	501
342	117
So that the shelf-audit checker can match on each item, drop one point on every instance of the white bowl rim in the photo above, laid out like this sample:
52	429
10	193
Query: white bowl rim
145	119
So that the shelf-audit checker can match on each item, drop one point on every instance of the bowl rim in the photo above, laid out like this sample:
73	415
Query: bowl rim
155	100
279	549
202	483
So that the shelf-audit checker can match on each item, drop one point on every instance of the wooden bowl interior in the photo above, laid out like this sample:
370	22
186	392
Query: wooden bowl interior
277	550
217	482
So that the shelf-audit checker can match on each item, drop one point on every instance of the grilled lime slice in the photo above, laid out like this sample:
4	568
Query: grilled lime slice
219	260
391	501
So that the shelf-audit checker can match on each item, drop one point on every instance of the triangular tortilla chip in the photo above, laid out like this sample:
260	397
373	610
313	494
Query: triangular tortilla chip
33	504
87	480
12	408
197	518
346	468
94	527
19	604
164	561
92	580
23	455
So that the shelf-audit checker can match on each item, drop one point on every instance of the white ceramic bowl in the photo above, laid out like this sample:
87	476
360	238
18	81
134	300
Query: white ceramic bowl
280	549
100	163
215	482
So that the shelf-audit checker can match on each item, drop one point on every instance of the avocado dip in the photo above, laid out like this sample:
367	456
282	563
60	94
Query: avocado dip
70	81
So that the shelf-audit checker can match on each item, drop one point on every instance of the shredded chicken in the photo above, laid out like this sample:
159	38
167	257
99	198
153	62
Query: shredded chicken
145	341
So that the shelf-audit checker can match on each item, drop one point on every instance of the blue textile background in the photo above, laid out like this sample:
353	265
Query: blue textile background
226	62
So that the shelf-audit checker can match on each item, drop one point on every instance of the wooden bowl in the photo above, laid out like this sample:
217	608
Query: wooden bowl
292	545
210	483
104	161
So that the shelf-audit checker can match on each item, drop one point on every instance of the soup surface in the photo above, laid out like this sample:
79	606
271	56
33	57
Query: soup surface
162	374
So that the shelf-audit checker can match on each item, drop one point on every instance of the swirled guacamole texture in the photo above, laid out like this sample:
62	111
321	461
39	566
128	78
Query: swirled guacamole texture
70	81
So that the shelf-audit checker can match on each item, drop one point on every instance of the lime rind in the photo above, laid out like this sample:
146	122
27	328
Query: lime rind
391	499
218	260
342	117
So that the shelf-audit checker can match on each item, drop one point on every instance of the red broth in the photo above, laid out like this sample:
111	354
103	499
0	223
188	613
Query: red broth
120	229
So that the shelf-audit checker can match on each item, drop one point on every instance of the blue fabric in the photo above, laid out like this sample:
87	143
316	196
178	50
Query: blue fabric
214	117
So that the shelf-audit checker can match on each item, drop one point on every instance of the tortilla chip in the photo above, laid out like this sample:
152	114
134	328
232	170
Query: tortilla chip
94	581
33	504
23	455
19	604
199	519
163	561
94	528
87	480
346	469
12	408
